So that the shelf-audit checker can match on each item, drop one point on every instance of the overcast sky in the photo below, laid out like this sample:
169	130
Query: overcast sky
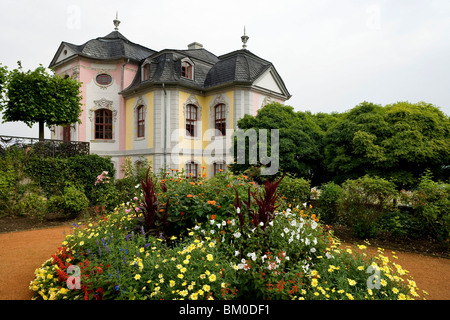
331	54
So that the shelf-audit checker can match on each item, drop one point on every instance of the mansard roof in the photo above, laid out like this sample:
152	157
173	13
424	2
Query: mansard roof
239	67
110	47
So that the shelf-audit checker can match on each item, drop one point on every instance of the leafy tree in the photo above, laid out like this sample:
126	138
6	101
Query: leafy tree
299	139
39	97
398	142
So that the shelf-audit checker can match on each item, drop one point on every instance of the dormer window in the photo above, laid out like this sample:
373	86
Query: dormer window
146	72
186	70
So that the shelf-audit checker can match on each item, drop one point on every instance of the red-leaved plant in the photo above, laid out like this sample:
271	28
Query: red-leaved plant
266	204
155	213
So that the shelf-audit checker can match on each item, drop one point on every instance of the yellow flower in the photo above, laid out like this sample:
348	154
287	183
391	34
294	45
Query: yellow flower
395	290
206	287
351	282
360	268
81	243
137	277
211	244
212	277
181	276
209	257
171	283
349	296
183	270
314	282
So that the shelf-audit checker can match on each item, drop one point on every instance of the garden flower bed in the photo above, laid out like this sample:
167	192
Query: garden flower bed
225	238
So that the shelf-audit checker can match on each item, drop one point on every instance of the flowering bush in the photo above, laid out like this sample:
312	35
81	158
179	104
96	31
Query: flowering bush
220	254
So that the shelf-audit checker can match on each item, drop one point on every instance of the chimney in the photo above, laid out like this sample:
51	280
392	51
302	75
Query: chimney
195	45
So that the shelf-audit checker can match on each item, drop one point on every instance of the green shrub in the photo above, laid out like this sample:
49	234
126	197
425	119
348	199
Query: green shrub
295	190
70	203
52	174
14	182
431	203
328	202
363	202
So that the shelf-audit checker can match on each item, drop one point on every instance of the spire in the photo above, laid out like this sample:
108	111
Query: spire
244	39
116	22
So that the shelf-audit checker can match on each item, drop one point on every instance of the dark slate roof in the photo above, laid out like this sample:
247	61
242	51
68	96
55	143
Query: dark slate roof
237	66
210	71
110	47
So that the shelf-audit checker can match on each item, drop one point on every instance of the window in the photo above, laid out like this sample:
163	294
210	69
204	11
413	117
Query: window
103	124
186	70
103	79
220	119
146	72
219	167
140	122
191	169
191	118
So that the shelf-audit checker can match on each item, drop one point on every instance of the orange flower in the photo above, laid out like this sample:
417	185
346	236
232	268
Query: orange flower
192	183
245	177
213	217
189	196
211	202
228	186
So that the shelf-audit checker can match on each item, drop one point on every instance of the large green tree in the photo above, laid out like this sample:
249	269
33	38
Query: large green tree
40	97
399	142
300	140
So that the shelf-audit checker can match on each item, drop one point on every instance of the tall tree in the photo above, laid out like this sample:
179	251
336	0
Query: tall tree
40	97
299	139
399	142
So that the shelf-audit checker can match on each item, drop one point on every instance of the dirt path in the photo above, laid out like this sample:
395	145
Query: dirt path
23	251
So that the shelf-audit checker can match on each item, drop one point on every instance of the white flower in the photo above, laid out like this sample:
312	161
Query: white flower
240	266
290	240
252	255
286	230
329	256
307	241
236	253
305	204
196	227
237	234
271	223
313	250
294	223
314	225
315	241
212	231
219	225
137	186
238	210
232	222
224	223
263	257
261	223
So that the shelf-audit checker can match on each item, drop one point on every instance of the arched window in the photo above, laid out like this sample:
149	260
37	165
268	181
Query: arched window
220	119
219	166
140	121
146	72
186	70
103	124
191	169
191	119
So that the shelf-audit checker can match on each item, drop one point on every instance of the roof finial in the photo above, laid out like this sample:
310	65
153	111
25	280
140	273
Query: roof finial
244	39
116	22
